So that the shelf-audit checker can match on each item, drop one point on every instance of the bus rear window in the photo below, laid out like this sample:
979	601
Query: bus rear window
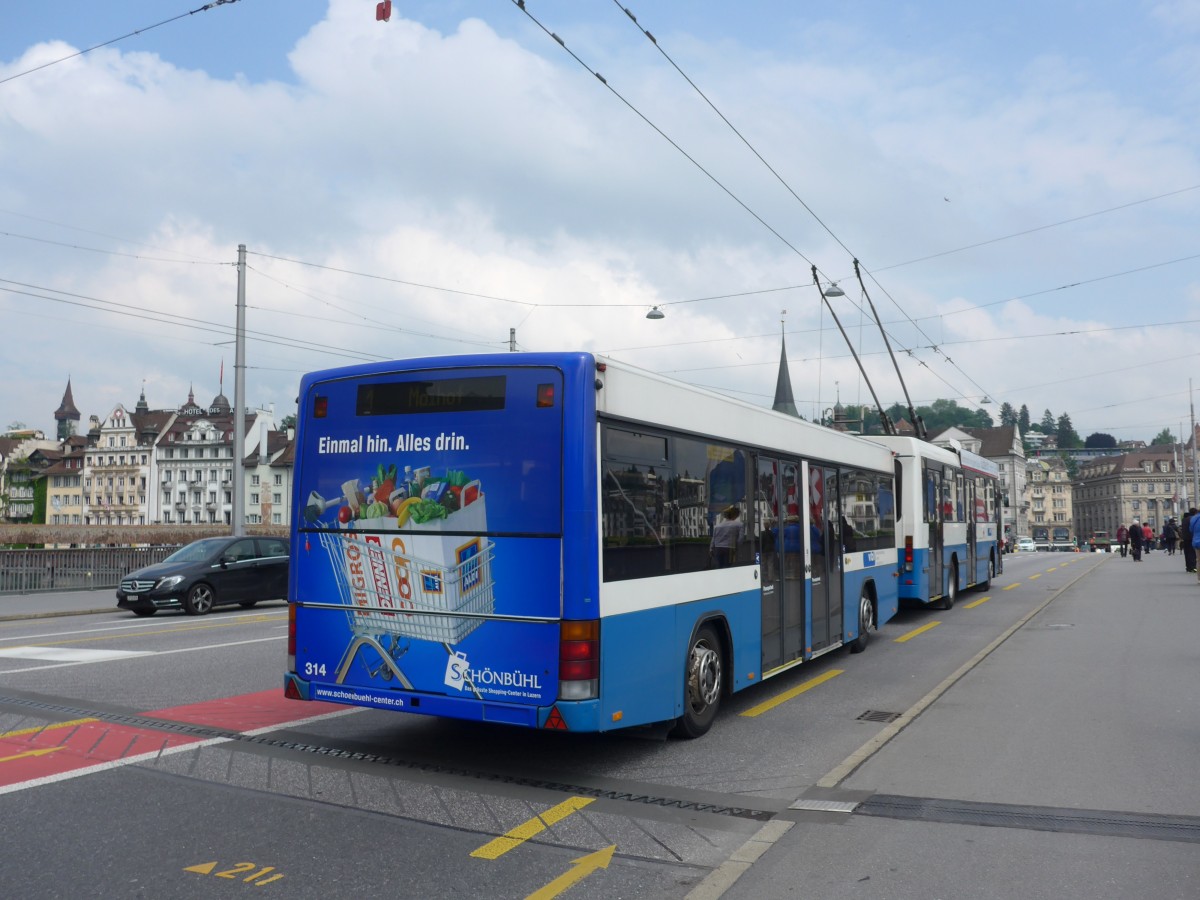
402	398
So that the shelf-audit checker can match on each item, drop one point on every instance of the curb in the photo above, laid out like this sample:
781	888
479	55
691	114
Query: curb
16	617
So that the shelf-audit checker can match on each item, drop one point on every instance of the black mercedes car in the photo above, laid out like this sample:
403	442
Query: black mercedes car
208	573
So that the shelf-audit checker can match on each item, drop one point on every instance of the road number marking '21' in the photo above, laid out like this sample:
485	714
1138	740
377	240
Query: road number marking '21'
259	878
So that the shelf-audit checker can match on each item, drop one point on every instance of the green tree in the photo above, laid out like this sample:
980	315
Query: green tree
1049	426
1023	420
1163	437
1008	415
1099	440
1067	437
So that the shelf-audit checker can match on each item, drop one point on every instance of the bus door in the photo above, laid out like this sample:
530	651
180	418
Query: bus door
967	492
824	537
933	520
777	504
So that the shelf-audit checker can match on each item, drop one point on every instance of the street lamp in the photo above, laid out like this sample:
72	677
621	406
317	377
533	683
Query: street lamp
656	313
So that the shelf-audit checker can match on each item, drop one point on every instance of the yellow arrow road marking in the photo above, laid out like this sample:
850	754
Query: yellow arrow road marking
204	869
912	634
535	826
580	869
789	694
43	752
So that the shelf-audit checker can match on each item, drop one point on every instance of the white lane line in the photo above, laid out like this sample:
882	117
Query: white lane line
183	624
69	654
63	665
170	751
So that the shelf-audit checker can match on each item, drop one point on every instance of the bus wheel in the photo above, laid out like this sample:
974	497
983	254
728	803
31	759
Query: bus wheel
991	573
866	623
951	594
702	683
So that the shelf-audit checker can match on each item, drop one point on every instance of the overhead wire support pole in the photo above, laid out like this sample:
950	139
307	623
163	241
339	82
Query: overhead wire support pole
238	513
884	421
918	422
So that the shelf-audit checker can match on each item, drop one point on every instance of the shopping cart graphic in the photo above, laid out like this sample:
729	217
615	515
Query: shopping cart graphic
391	594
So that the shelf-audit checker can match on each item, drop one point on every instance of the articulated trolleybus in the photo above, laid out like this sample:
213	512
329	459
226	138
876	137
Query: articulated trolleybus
948	520
528	539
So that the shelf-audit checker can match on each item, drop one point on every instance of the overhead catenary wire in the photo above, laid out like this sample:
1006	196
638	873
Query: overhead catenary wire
790	190
205	8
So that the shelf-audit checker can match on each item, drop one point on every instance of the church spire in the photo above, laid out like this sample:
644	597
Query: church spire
66	415
784	401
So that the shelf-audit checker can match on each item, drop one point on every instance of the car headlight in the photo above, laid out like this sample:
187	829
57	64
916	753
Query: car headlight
169	582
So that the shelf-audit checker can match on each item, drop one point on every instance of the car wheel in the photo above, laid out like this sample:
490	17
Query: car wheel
702	684
866	623
247	604
199	600
144	612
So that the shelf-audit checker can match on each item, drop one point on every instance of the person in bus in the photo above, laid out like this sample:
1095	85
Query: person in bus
793	546
1135	540
726	535
1123	540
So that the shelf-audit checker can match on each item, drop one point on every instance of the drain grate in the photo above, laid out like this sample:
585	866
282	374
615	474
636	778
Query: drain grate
1035	818
876	715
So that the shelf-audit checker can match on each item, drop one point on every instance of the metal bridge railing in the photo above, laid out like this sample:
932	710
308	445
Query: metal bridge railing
28	571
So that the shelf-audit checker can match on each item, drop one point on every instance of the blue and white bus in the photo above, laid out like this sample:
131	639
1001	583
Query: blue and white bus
948	520
528	539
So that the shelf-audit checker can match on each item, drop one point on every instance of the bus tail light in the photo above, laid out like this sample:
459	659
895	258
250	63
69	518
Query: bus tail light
291	638
908	554
579	660
545	396
320	407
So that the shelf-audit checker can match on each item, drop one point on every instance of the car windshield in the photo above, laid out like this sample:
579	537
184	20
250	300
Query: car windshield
197	551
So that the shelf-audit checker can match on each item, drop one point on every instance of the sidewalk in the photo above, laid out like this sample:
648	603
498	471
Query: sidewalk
57	603
1070	751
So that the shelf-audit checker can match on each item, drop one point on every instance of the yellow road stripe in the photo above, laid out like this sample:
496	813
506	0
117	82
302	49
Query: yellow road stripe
912	634
517	836
1035	576
50	727
978	602
767	705
1011	586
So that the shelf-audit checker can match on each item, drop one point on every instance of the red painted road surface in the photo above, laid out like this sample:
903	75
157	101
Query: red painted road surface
62	748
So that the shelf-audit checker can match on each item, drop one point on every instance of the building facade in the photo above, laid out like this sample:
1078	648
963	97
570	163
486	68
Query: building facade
1149	486
1050	500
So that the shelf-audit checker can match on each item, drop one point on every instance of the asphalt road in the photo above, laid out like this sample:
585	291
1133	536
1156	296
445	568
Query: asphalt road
1042	743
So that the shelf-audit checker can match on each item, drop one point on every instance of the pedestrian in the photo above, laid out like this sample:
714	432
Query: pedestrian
1185	538
1195	524
1123	540
1169	537
726	535
1135	540
1147	537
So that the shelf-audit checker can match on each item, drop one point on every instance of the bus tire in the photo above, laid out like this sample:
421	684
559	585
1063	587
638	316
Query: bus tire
703	681
866	622
951	594
991	573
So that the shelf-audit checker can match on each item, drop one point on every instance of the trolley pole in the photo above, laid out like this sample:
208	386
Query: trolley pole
238	516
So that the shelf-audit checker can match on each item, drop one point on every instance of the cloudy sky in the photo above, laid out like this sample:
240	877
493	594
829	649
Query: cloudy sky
1020	185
